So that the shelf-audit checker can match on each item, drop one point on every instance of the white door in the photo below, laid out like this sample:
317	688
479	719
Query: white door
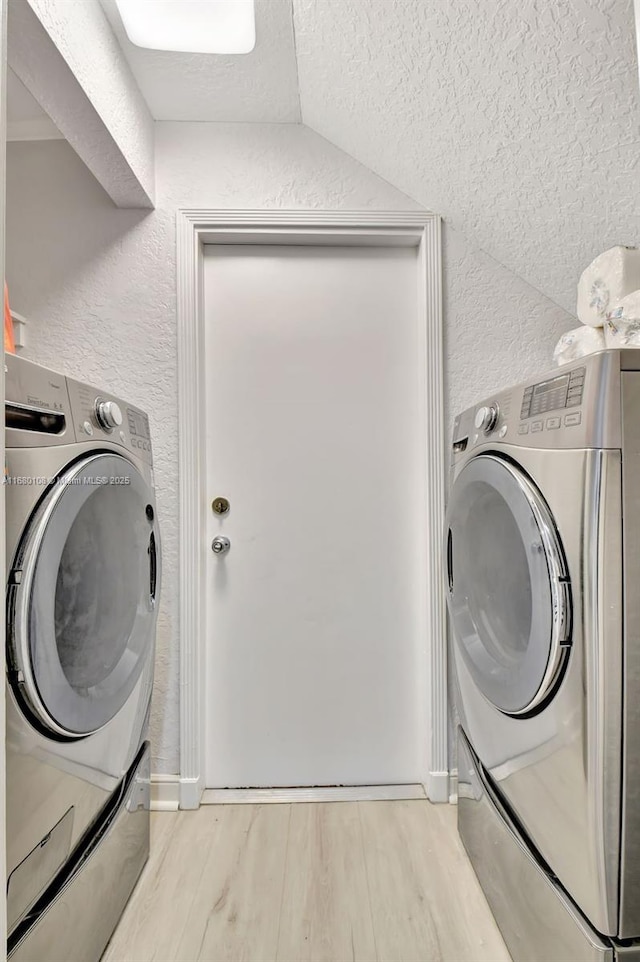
315	656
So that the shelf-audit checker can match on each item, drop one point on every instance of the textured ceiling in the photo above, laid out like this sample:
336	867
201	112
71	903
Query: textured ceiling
519	122
260	86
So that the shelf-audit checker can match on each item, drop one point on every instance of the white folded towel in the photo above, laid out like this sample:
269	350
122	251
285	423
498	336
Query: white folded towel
577	343
622	325
604	283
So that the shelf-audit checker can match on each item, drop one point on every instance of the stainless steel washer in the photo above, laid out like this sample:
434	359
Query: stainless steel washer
83	578
543	568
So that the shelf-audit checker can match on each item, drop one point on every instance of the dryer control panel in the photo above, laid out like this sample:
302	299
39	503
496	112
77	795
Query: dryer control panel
574	407
560	392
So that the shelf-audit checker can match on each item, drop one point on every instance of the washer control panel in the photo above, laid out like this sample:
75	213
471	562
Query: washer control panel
101	415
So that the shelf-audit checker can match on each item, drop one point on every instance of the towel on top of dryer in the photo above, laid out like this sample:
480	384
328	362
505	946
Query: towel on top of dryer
622	324
578	343
610	277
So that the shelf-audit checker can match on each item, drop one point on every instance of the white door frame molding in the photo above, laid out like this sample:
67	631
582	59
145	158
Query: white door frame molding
195	228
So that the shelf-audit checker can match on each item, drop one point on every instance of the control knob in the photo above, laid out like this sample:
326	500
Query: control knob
486	418
108	414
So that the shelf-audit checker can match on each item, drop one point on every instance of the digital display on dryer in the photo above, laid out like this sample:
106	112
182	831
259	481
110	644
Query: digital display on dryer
549	395
138	424
563	391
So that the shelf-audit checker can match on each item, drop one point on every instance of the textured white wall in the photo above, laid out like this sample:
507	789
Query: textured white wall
98	287
516	121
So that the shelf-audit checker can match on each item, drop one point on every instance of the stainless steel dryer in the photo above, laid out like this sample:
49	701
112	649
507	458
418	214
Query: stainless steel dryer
543	584
83	576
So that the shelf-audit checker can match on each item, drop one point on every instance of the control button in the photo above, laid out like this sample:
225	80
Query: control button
570	419
536	426
502	431
573	401
553	423
575	391
523	429
123	437
88	427
486	418
108	414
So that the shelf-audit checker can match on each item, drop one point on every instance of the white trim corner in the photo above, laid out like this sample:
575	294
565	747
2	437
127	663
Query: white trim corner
165	793
191	790
453	786
437	786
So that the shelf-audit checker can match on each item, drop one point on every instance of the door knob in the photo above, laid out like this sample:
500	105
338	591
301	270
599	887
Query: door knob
220	545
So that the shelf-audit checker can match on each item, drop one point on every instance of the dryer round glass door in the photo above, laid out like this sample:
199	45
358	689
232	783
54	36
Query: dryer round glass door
508	592
82	613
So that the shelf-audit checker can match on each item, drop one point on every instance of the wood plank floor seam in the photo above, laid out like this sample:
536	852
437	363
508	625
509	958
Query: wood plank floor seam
284	876
366	869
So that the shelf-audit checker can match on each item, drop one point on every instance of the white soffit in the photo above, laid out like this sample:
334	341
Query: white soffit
261	86
66	55
516	121
26	120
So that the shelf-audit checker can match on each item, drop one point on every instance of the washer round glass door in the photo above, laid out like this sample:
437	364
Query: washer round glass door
508	592
82	614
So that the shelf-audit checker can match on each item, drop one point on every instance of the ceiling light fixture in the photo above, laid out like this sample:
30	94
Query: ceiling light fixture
191	26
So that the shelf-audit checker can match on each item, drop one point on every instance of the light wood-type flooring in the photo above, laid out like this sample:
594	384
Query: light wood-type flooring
315	882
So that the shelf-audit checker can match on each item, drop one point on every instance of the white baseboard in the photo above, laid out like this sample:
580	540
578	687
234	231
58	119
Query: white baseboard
453	787
165	793
356	793
437	786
